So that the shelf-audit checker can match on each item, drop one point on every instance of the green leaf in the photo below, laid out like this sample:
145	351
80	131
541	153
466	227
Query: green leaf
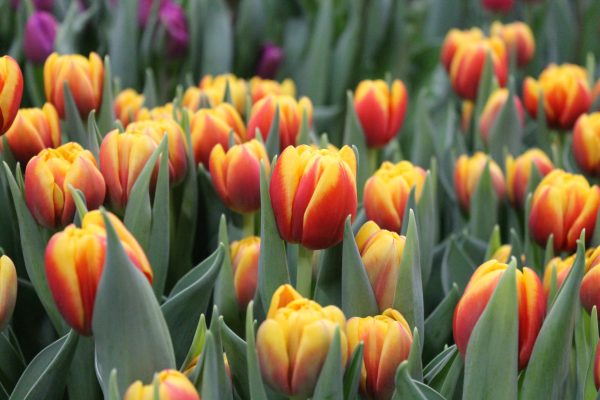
123	43
428	221
150	90
235	348
210	387
93	135
484	207
494	243
589	386
12	364
73	124
423	134
272	144
82	382
330	382
438	324
196	347
507	130
113	388
352	374
415	364
328	289
376	22
217	46
407	388
353	134
196	12
224	297
106	116
257	388
542	133
249	32
446	376
487	84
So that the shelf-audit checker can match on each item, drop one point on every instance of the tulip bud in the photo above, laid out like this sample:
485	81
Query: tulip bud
312	194
454	40
477	294
74	263
500	6
128	103
194	97
11	91
467	172
173	19
244	261
563	205
47	179
589	292
293	342
236	174
566	94
387	191
518	38
33	130
492	109
8	290
559	267
261	88
518	172
39	35
172	385
290	118
387	340
269	61
380	110
502	253
586	143
237	89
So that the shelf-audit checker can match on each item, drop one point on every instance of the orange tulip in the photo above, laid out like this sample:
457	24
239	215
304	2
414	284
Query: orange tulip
172	385
194	96
261	88
492	109
466	115
467	172
518	172
502	253
11	91
517	37
127	105
166	111
244	260
8	290
454	40
586	143
562	268
237	88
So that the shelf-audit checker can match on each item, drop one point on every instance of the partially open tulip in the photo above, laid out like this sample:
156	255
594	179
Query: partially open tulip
38	37
74	263
518	38
477	294
387	339
381	252
563	205
33	130
284	295
11	91
586	143
467	172
566	94
47	179
455	38
237	89
8	290
236	174
380	110
127	105
518	172
83	76
313	192
260	88
492	109
290	117
501	6
244	261
172	385
293	342
387	191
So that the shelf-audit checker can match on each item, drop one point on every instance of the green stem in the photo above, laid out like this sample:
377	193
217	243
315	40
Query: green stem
248	224
304	271
373	155
558	148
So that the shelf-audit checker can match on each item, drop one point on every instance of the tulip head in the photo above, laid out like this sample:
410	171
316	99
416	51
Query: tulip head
127	105
586	143
558	267
455	38
467	172
269	60
466	115
518	38
237	89
244	261
501	6
39	35
518	172
11	91
502	253
166	111
492	109
194	98
8	290
172	385
261	88
312	193
589	292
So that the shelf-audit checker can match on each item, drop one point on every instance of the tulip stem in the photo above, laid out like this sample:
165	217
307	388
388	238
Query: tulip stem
304	272
248	224
372	154
558	149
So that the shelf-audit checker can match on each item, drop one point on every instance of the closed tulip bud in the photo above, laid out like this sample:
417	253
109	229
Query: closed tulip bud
502	253
269	61
477	294
293	342
74	263
39	35
518	172
127	105
172	385
454	40
11	91
381	252
518	38
47	179
467	172
563	205
261	88
387	191
492	109
290	117
236	174
566	94
84	76
237	89
387	340
312	193
380	110
244	261
469	61
500	6
8	290
586	143
33	130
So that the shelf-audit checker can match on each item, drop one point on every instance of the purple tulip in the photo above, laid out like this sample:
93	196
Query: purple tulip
269	61
40	32
173	19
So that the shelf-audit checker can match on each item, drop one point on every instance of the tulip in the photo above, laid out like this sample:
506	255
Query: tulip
236	174
194	97
47	179
290	117
11	91
502	253
172	385
596	92
269	61
380	110
261	88
237	89
387	191
479	290
293	342
39	35
518	172
127	105
381	252
492	109
586	143
518	38
33	130
466	115
173	19
387	340
566	94
468	63
561	268
454	40
74	263
284	295
244	261
467	172
563	205
166	111
500	6
589	292
312	193
8	290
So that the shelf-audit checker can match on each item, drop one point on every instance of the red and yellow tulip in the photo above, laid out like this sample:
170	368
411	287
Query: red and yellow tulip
127	105
193	97
218	84
518	38
589	292
467	172
492	109
518	172
8	290
11	91
586	143
172	385
455	38
502	253
260	88
244	261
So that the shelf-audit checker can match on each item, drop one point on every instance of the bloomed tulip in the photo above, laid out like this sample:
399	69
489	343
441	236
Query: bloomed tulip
502	253
84	76
11	91
479	290
33	130
387	340
566	94
380	110
517	37
518	172
127	105
293	342
8	290
501	6
260	88
492	109
47	179
563	205
237	88
455	38
467	172
244	261
586	143
381	252
290	117
74	263
172	385
236	174
313	192
387	191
